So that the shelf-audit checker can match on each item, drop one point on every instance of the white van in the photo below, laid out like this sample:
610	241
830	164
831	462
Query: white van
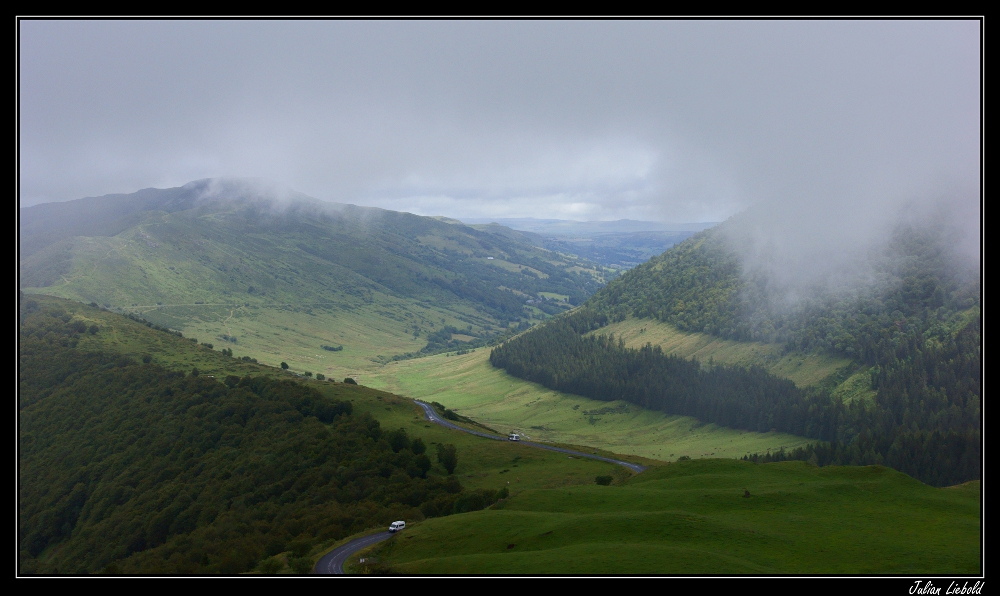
397	526
513	437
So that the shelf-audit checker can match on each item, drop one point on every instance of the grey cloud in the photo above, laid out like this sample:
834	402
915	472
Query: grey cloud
829	126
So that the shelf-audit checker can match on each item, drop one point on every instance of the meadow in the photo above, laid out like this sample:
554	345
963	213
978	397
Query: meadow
803	369
710	517
472	387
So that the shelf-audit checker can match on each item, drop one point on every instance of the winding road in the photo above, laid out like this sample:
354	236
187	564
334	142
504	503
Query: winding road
332	563
433	417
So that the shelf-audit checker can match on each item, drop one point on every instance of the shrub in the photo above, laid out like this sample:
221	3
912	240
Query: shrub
448	457
300	565
420	466
270	566
320	376
398	440
284	366
350	381
470	502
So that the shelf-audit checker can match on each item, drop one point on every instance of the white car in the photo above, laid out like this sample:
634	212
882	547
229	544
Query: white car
513	437
397	526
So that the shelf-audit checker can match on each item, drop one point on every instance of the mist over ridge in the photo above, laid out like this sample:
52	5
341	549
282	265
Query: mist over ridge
795	251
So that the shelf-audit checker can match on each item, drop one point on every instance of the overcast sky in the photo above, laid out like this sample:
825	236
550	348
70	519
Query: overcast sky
663	120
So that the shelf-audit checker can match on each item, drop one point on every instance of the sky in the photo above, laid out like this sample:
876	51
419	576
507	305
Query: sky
831	128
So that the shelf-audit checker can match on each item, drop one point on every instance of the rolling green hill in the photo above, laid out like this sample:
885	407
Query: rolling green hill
886	372
278	279
710	517
127	466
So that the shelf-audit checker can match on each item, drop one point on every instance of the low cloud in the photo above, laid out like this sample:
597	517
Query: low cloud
828	127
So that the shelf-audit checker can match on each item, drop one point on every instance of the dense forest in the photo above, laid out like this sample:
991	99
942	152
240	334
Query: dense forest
128	467
917	335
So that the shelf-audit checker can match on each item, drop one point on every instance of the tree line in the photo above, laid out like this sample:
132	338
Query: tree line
924	419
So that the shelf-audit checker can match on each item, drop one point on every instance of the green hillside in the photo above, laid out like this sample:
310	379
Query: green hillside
128	466
885	372
278	280
804	369
695	518
129	462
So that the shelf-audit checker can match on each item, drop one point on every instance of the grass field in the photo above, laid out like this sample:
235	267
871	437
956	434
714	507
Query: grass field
472	387
802	369
692	518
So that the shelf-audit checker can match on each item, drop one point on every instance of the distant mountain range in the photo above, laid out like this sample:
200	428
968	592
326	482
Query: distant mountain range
620	244
565	227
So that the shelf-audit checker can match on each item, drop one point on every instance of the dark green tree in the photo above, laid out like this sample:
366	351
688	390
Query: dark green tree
398	440
447	457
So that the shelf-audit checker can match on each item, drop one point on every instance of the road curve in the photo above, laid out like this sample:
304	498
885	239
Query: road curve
332	562
433	417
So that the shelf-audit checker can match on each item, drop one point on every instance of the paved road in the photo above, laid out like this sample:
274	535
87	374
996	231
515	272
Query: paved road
332	563
433	417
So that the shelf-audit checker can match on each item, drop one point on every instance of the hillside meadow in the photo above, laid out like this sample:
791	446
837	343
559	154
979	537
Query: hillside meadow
469	385
279	281
710	517
804	369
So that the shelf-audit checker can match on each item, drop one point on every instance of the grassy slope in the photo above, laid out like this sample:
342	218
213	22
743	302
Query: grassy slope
692	518
471	386
802	369
124	271
286	287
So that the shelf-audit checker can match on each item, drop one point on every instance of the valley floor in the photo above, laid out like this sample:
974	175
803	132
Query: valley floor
472	387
